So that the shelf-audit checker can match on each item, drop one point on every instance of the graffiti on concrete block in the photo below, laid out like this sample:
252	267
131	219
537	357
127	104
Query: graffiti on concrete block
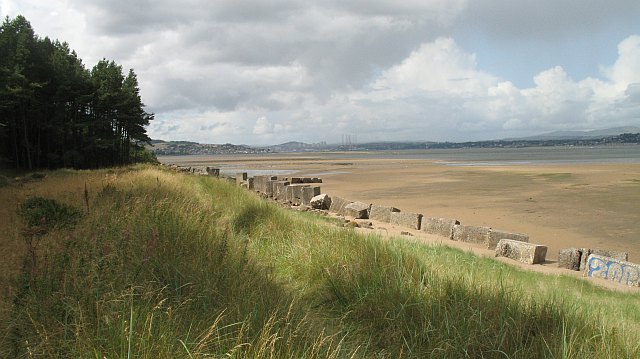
613	270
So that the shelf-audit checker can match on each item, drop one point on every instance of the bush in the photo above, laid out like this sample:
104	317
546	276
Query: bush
48	213
4	181
140	154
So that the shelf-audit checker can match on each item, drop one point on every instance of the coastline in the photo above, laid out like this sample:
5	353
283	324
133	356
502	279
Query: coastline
559	205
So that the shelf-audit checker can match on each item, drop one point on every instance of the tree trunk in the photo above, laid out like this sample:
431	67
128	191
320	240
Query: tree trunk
26	139
14	138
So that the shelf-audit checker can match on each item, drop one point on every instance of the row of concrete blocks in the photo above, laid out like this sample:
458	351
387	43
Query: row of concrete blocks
294	190
612	269
608	265
597	263
577	258
507	244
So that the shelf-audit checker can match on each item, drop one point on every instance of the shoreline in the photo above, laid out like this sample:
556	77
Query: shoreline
560	206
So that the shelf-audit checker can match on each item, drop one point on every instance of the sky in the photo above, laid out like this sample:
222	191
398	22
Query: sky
263	72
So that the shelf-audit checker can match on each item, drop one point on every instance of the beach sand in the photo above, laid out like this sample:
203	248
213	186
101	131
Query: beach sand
560	206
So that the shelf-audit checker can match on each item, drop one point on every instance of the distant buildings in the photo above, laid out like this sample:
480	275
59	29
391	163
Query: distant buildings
179	148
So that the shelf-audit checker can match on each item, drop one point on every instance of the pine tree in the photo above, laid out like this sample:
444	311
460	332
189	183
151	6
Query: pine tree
55	113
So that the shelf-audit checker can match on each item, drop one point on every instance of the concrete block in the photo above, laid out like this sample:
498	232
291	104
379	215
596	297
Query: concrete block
280	190
241	177
621	256
260	184
357	210
321	201
289	194
308	193
619	271
296	180
496	235
338	204
256	183
569	258
406	219
521	251
439	226
294	194
269	187
472	234
381	213
211	171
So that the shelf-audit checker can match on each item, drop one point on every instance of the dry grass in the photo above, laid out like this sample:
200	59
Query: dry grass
65	186
168	265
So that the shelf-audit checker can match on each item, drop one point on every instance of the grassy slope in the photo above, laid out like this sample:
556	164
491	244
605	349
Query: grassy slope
167	265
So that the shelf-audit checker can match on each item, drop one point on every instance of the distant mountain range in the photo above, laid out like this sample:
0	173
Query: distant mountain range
579	135
611	136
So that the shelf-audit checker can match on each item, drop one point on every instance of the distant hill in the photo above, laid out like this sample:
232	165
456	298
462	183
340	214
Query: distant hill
296	146
610	136
577	135
173	148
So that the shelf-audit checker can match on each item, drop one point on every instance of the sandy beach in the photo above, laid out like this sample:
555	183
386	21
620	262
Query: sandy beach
557	205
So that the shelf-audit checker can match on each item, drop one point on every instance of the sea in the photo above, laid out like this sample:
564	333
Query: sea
618	154
517	156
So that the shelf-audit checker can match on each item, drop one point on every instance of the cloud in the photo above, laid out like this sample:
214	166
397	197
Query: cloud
225	87
626	70
439	67
442	83
341	41
200	126
262	126
263	72
438	92
521	21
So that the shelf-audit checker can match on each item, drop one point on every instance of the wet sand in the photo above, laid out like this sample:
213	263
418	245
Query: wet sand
558	205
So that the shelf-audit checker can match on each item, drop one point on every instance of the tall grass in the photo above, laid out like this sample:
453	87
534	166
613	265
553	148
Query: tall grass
167	265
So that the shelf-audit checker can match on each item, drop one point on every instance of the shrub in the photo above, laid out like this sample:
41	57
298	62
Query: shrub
48	213
4	181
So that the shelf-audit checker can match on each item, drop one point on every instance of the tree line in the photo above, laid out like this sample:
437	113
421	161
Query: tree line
56	113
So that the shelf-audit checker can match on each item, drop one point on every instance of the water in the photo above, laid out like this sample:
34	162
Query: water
231	171
514	156
447	157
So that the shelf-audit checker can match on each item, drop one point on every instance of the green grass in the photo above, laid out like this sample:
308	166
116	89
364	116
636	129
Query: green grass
175	266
